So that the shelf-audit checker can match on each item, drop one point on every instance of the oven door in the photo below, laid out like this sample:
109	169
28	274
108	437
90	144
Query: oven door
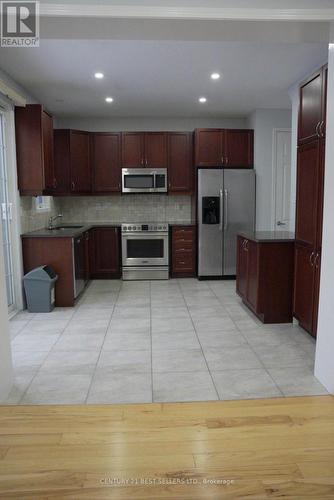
145	249
143	180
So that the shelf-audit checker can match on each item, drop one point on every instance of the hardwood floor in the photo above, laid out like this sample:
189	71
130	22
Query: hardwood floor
262	448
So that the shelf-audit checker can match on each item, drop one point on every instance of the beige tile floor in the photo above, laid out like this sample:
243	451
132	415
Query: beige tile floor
176	340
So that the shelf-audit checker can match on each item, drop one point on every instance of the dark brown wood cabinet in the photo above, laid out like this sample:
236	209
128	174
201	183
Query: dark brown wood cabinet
144	149
34	150
181	175
72	162
225	148
312	107
106	162
57	253
309	199
265	277
104	248
183	251
238	148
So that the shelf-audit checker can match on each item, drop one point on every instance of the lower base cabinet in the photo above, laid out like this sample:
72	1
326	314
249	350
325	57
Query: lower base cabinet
104	253
183	251
306	287
265	278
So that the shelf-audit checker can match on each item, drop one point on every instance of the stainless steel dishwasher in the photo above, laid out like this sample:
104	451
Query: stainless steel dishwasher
78	255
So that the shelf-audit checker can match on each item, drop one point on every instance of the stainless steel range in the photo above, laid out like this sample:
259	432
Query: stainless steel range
145	251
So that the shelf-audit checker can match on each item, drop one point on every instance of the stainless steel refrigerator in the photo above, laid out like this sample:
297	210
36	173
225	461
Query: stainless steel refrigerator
226	206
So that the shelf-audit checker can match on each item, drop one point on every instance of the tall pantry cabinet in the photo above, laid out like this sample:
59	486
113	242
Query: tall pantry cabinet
309	199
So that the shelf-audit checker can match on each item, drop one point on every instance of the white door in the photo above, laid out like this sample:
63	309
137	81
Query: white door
281	179
6	219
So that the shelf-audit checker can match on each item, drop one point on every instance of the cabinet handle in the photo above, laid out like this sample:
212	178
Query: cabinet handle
321	132
246	246
226	160
222	160
119	185
142	161
146	162
316	260
312	258
317	129
169	185
72	185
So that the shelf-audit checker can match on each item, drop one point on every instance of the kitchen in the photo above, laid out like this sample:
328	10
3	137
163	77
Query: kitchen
147	222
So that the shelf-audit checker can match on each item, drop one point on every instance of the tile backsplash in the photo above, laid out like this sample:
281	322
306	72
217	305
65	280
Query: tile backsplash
31	219
129	208
108	209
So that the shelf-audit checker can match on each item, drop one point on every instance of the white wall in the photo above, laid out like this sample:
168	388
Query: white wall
324	362
6	370
147	123
264	121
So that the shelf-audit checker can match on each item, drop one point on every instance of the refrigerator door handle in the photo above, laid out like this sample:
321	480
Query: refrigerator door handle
225	209
221	210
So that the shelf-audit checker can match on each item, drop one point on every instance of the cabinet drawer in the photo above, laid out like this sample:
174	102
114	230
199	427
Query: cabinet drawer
183	261
184	233
183	245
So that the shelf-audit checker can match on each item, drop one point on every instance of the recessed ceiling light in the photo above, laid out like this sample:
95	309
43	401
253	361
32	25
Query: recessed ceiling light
99	75
109	99
202	99
215	76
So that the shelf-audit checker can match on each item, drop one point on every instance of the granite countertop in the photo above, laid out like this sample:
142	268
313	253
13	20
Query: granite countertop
269	236
73	232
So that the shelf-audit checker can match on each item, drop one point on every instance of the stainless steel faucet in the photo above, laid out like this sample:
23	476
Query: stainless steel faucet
52	219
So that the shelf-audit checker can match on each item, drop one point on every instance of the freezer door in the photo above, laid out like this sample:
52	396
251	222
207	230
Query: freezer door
239	212
210	222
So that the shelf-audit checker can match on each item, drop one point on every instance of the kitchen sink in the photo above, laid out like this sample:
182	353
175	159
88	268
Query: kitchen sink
62	228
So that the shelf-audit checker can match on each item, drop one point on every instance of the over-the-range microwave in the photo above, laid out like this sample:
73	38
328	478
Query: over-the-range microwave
144	180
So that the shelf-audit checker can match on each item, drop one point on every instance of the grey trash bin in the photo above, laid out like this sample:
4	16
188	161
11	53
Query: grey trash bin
39	287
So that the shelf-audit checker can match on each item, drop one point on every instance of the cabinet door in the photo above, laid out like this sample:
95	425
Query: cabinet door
155	149
80	162
304	286
105	252
180	171
106	165
307	192
62	162
310	107
238	148
242	266
208	147
252	273
47	133
132	150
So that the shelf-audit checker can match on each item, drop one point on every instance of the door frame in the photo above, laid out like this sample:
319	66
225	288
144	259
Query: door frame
7	109
273	175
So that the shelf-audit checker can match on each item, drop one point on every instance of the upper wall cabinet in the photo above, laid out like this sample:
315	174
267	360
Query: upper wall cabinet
180	171
312	107
34	150
226	148
72	162
144	149
106	164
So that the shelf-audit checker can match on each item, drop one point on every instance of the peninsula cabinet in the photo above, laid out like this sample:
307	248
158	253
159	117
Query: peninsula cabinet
106	164
181	175
309	199
34	150
72	162
265	267
144	149
225	148
104	252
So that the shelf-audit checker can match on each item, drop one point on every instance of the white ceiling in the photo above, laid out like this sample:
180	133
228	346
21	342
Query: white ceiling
160	78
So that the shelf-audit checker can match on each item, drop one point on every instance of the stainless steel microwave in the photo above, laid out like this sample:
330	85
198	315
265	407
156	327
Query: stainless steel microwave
144	180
